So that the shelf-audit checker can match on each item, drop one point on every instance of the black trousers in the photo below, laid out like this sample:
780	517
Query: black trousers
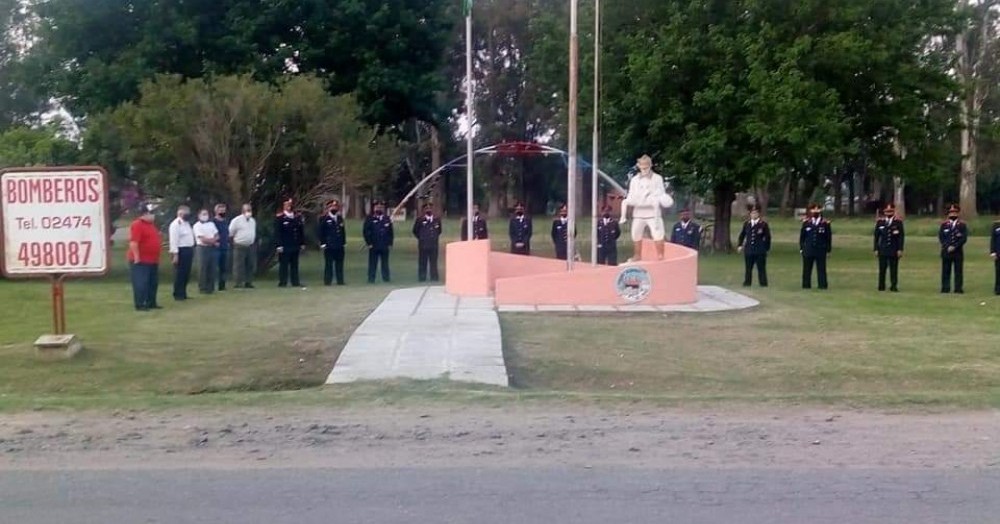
607	256
949	263
224	264
996	284
333	260
755	260
807	267
561	251
523	250
288	266
378	256
182	272
427	259
145	282
892	264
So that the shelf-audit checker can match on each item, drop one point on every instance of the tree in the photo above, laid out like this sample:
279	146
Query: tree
17	102
42	146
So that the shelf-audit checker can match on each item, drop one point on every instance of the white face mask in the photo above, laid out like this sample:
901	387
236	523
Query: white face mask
203	218
248	214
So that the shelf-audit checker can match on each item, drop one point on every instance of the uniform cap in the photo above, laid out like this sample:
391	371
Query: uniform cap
954	208
686	210
889	207
753	207
814	206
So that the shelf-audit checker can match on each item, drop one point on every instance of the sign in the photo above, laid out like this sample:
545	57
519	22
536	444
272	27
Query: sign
55	221
633	284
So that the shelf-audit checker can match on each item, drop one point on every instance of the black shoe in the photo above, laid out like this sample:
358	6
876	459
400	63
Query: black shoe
959	292
764	284
180	299
327	283
746	284
156	306
946	291
282	285
298	284
881	289
248	285
238	286
894	289
141	308
340	283
371	280
222	286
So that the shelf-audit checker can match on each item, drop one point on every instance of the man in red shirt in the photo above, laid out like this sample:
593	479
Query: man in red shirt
144	259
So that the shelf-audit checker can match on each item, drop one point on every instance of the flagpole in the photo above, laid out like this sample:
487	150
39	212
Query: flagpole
469	112
595	212
571	179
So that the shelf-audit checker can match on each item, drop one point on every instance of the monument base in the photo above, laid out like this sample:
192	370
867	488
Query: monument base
57	347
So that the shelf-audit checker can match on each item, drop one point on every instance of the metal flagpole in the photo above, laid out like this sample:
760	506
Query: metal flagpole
470	112
595	212
574	66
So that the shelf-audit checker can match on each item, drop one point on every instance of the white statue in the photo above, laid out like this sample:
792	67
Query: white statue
646	196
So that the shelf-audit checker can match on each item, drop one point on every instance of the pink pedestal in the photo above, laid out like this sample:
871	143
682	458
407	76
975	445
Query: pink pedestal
472	270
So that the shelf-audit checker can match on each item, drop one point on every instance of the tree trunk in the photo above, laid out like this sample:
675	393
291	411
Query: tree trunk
762	195
838	192
900	195
967	179
724	198
852	193
438	194
786	195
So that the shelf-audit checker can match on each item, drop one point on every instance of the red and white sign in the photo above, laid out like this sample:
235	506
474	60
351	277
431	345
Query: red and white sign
55	221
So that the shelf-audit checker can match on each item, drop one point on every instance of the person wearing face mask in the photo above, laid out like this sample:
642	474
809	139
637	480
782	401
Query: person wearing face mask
520	230
889	238
290	239
608	232
952	236
479	228
755	243
243	236
332	236
379	237
560	232
995	255
222	251
206	250
144	259
815	243
427	230
687	232
181	245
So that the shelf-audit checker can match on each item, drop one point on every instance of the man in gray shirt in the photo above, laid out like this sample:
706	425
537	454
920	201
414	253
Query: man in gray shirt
243	238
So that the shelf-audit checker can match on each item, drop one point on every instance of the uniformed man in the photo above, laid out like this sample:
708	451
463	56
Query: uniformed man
608	232
427	230
479	229
815	243
289	241
995	255
686	232
560	232
755	243
952	235
889	238
520	231
378	237
332	237
222	250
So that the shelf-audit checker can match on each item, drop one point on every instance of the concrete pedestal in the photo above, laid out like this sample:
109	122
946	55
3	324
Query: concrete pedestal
57	347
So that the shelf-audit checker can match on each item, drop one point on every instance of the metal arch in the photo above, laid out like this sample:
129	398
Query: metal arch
493	150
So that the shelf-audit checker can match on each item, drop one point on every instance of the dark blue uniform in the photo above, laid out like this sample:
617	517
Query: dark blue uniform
995	251
290	236
687	235
222	250
427	229
952	235
378	237
889	239
608	232
560	234
479	229
815	242
332	237
520	233
755	239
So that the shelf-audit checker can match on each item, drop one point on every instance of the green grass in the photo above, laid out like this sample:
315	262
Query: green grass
275	346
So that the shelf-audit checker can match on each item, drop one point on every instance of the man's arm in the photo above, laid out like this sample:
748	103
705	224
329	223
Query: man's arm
902	236
392	234
743	235
802	237
875	238
964	229
829	237
173	233
416	228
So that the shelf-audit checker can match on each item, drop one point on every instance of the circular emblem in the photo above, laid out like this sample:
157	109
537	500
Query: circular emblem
633	284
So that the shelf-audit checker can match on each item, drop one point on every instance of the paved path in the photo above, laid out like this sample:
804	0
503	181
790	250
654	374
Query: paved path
710	298
424	333
523	495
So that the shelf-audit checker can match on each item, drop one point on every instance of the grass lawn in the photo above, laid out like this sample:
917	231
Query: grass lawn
251	346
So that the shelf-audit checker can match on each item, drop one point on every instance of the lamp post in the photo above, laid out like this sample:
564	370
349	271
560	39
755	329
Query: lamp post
594	211
571	181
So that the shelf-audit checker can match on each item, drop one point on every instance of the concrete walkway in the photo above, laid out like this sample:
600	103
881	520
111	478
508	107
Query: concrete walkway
424	333
710	299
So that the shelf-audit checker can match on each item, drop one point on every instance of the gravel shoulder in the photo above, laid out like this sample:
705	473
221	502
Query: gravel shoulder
519	436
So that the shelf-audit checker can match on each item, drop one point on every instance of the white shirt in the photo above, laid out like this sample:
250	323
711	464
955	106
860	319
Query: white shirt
753	223
243	230
646	195
181	235
205	230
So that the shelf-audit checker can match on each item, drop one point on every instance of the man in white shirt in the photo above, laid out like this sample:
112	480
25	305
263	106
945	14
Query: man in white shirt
181	251
646	196
206	235
243	237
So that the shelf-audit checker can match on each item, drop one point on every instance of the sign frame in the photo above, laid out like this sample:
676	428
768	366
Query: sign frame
106	194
